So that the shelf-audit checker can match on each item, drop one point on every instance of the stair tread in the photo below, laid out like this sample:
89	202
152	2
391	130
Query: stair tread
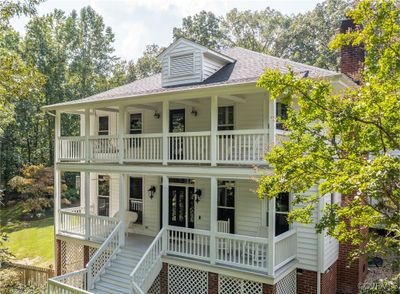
116	289
115	263
111	277
119	270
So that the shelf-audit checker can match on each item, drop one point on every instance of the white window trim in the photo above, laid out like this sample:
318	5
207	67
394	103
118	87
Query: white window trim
143	195
104	196
98	124
128	128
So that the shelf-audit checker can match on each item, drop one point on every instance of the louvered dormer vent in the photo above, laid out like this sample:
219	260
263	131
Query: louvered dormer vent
185	62
181	65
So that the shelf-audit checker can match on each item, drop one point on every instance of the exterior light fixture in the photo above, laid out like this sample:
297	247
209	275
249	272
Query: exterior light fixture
151	191
156	115
194	112
197	195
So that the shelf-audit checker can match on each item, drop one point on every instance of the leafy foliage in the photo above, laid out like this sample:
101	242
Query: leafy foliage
346	142
5	253
303	37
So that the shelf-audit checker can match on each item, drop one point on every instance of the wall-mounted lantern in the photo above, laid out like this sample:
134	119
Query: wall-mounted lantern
151	191
156	115
194	112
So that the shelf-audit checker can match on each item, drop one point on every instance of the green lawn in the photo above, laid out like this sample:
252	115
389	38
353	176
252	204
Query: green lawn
30	241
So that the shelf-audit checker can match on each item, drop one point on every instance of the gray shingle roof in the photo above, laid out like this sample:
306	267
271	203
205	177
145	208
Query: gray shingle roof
249	66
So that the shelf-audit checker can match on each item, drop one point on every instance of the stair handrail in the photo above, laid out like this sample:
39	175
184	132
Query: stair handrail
147	262
113	241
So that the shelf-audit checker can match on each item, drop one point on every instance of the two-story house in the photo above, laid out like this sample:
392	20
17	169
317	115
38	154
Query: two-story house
167	170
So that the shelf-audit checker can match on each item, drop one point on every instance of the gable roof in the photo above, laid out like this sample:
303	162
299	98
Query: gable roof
247	68
218	55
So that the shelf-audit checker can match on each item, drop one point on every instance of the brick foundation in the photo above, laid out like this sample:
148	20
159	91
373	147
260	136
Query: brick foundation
329	280
350	275
58	257
212	283
269	289
164	279
306	282
85	255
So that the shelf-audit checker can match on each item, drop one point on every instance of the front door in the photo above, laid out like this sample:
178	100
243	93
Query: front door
176	125
181	206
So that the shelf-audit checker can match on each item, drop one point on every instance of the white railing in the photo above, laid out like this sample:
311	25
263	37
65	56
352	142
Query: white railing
143	147
150	263
232	147
103	148
242	251
72	148
103	255
223	226
135	205
101	226
190	243
71	283
285	248
241	146
189	147
72	222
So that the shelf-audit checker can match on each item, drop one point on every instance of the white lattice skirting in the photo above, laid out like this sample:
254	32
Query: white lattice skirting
229	285
155	287
71	257
287	285
183	280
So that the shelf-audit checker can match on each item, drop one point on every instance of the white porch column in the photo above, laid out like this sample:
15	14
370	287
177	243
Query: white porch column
87	205
165	130
122	206
214	128
87	134
271	236
272	122
57	174
121	132
213	219
165	210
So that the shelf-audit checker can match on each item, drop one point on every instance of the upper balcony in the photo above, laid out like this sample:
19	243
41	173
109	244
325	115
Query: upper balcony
217	130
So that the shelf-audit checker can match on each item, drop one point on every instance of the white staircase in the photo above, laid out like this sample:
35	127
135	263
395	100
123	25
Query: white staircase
116	277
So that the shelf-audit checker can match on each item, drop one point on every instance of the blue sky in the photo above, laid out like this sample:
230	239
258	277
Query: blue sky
137	23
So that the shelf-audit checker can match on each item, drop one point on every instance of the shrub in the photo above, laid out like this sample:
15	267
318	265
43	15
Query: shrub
383	286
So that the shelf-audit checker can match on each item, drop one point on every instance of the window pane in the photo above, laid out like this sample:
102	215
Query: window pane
281	224
281	114
282	202
104	206
104	185
103	125
225	118
136	123
226	195
136	188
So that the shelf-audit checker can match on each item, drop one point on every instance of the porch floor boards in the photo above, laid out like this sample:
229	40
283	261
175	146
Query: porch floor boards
137	241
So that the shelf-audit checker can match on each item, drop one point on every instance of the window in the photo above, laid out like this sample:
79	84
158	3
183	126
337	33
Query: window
225	118
226	203
181	65
281	115
281	213
135	123
136	197
103	192
103	125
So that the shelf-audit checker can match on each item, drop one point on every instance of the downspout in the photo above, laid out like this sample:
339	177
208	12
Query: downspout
319	249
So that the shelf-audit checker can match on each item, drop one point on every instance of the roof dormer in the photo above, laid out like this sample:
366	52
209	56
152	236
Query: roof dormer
185	62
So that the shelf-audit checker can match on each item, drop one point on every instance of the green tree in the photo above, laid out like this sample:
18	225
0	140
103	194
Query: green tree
148	64
202	28
346	142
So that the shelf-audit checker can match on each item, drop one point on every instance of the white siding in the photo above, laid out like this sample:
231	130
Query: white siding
210	66
247	208
307	242
182	49
330	246
202	209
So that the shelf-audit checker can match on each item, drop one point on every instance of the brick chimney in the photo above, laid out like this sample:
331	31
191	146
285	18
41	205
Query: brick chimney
352	57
